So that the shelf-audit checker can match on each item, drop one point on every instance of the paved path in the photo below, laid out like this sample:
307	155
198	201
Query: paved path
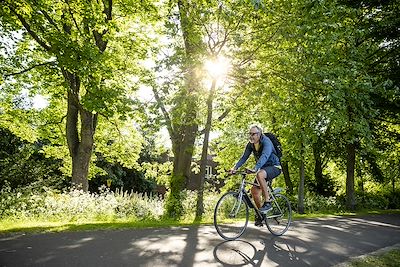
314	242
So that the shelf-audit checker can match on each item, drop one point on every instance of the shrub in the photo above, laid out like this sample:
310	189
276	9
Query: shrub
190	204
75	205
316	203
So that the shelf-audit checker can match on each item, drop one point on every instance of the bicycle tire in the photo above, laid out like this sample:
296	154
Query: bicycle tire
231	216
279	218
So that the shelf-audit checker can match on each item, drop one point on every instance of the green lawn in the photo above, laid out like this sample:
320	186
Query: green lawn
30	225
43	226
387	259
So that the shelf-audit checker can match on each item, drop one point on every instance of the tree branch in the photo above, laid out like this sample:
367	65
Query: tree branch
29	30
30	68
98	37
108	9
50	20
73	18
164	111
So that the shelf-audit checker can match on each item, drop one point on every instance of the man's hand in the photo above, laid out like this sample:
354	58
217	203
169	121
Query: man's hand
250	171
231	171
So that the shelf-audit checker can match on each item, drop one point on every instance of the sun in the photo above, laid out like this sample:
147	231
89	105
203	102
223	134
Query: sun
217	68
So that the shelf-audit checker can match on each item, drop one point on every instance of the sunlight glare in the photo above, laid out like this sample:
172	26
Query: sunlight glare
217	68
40	102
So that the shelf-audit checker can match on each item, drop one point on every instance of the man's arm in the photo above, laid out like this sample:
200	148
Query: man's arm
245	156
265	154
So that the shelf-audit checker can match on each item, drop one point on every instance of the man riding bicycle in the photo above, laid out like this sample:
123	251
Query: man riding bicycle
267	167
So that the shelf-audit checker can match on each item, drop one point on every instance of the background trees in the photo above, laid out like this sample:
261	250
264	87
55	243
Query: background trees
322	75
76	46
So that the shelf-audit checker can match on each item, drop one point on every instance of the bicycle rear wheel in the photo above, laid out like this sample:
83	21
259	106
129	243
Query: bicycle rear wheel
279	218
231	216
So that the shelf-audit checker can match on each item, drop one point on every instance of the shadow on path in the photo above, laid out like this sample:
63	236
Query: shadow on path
314	242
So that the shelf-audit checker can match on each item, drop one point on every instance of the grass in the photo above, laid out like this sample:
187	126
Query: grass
332	213
31	226
387	259
44	227
10	226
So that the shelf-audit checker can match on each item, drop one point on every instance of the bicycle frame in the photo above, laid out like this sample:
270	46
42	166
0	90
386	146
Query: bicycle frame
231	212
242	194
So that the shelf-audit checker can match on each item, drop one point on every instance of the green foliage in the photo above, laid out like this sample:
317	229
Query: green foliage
386	259
23	164
120	177
61	53
325	187
76	205
319	74
73	205
173	205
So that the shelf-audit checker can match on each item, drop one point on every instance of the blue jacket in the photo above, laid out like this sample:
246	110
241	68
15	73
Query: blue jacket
265	156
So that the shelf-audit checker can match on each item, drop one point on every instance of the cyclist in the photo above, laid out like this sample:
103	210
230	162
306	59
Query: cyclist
267	167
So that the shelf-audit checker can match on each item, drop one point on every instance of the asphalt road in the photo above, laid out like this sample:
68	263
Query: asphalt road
314	242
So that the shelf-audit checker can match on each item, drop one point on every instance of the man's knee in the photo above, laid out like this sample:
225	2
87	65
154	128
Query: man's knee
255	191
262	174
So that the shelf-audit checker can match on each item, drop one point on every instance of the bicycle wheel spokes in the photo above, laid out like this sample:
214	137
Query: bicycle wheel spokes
231	216
280	217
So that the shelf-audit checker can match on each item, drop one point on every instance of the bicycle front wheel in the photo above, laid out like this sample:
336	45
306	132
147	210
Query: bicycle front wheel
231	216
279	218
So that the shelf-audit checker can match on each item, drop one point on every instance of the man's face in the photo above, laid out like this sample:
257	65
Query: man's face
254	135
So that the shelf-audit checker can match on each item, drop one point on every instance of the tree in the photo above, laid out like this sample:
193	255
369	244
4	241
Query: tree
23	164
380	24
182	92
205	29
80	45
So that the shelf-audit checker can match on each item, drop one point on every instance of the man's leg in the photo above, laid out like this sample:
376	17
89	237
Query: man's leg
262	180
256	193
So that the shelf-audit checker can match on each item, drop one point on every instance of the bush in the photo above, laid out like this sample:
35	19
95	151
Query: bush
316	203
190	204
73	205
379	200
76	205
394	199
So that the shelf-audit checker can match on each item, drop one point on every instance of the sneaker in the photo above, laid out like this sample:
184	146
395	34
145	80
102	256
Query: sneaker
258	221
266	207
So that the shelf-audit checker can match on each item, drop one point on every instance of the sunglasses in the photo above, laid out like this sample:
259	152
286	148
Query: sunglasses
252	134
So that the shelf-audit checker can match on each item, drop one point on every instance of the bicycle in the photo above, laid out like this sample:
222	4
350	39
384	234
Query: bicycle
231	213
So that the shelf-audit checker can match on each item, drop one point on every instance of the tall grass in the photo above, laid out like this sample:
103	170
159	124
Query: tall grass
74	205
29	205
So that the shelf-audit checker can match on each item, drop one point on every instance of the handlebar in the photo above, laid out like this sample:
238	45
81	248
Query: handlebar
245	172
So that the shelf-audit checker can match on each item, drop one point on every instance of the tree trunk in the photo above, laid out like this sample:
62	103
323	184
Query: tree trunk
351	159
301	187
183	152
301	182
318	168
360	180
80	145
184	130
204	154
286	175
284	164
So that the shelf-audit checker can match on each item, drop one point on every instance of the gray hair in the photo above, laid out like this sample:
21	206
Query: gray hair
259	129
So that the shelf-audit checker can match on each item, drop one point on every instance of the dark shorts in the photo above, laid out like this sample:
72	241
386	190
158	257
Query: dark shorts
272	172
